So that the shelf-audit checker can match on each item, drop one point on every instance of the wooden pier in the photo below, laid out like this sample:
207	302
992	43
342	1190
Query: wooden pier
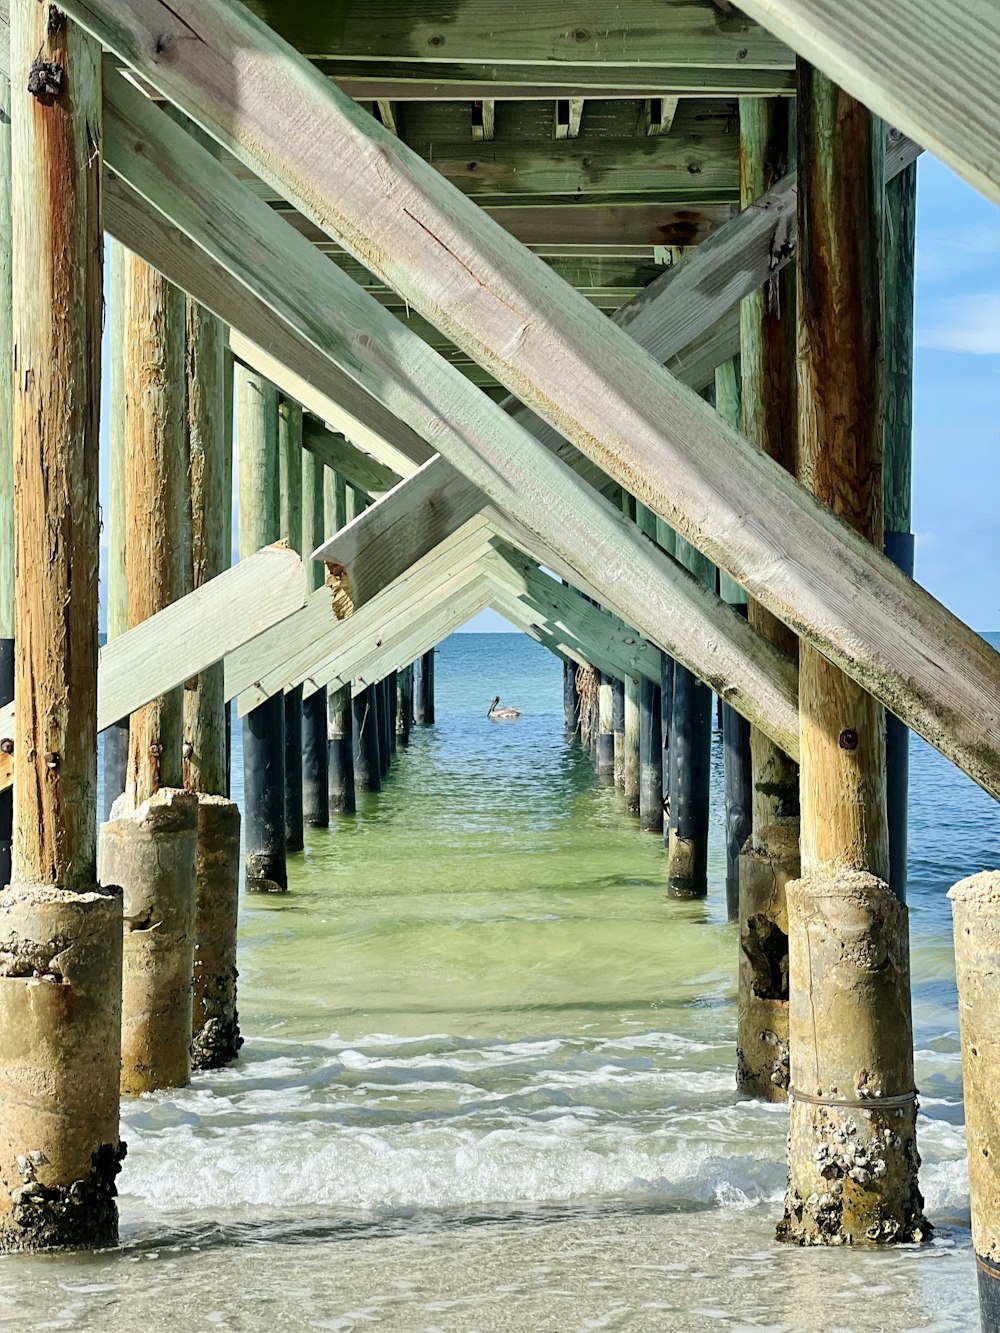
534	311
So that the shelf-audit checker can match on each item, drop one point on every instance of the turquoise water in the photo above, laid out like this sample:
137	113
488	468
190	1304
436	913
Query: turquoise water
488	1076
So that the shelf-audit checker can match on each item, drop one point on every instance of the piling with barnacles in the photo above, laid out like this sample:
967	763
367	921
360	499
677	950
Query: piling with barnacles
770	857
975	904
215	1031
60	967
852	1150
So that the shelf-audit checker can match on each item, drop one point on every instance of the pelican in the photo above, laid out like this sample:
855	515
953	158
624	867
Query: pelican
502	714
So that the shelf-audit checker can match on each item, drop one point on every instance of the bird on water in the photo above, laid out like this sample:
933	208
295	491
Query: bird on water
502	714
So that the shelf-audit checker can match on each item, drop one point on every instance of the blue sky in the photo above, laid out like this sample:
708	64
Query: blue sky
956	436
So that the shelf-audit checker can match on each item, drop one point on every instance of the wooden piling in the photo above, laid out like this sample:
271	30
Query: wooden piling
290	506
605	729
666	539
315	743
215	1032
423	690
650	723
976	907
367	761
263	726
900	239
149	846
571	702
630	749
738	777
382	726
60	980
115	738
852	1152
391	695
339	504
404	704
618	725
6	469
690	763
771	857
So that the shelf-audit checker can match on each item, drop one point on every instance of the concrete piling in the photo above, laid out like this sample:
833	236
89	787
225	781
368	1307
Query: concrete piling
975	904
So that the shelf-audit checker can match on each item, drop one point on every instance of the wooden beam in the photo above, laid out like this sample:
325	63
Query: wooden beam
659	114
589	629
569	112
483	119
190	635
759	686
337	453
570	364
281	659
428	81
696	164
646	34
928	68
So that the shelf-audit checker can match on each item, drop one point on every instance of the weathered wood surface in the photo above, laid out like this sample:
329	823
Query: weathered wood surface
157	511
614	647
472	279
340	455
191	635
840	451
928	68
209	461
429	81
6	377
57	252
646	34
288	656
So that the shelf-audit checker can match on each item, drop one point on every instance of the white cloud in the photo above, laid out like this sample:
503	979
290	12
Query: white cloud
945	256
966	324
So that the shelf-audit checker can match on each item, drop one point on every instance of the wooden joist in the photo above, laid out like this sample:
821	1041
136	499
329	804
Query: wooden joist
469	276
928	68
188	636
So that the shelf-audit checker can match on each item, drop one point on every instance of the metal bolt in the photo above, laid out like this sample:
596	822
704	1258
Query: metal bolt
156	749
52	760
6	746
848	739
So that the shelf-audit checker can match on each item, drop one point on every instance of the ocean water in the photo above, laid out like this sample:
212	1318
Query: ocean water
488	1076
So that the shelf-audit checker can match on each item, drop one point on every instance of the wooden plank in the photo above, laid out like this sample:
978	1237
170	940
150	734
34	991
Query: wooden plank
926	67
192	634
644	34
572	365
454	608
614	228
659	114
590	629
483	119
568	114
337	453
433	81
279	660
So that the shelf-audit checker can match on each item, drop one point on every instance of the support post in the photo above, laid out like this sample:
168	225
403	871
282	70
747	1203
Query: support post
367	763
149	845
339	509
115	739
391	695
215	1030
852	1150
771	857
290	504
738	779
690	763
404	704
6	469
975	904
571	700
423	690
650	723
587	685
900	239
60	978
630	751
264	726
382	726
618	724
605	729
667	541
315	745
